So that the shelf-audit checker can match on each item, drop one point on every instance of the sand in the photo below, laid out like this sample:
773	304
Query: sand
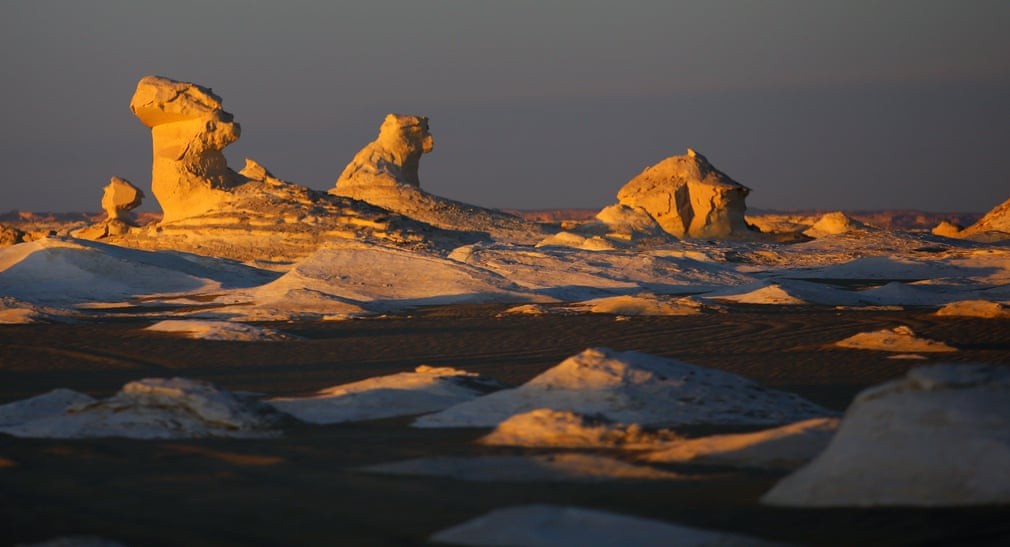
302	489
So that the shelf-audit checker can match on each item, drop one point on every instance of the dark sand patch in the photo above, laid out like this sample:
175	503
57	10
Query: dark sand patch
301	490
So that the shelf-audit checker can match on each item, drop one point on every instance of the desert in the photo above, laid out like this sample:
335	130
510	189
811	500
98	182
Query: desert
213	352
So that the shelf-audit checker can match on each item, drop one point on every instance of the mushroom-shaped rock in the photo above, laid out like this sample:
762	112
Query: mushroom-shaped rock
689	198
120	198
189	130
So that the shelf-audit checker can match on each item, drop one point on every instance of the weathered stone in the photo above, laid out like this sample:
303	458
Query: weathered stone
689	198
385	173
120	198
189	130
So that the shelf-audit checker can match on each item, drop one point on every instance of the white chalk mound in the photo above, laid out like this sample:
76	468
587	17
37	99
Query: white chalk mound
427	389
553	525
542	468
940	436
153	408
357	277
975	308
785	447
71	271
640	304
633	388
785	292
544	427
220	330
901	339
48	404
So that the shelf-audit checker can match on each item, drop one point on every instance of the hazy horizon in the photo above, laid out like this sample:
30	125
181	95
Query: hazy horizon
533	105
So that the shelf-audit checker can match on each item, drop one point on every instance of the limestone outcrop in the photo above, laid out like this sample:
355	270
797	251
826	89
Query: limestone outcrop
250	214
689	198
189	131
385	173
995	225
119	198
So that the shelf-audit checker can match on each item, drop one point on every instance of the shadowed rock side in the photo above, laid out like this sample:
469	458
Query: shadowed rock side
385	173
251	214
689	198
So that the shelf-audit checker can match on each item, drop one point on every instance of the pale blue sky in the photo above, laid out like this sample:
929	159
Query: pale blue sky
533	104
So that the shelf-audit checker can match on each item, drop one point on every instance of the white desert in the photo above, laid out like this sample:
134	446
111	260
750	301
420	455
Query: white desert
372	363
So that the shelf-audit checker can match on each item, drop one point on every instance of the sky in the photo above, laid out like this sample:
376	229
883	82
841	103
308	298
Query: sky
533	104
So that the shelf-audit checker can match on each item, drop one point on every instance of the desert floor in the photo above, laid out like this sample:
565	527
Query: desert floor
303	489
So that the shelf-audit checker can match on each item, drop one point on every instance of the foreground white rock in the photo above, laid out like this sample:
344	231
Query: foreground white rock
45	405
689	198
541	468
900	339
553	525
153	408
785	447
427	389
940	436
634	388
544	427
219	330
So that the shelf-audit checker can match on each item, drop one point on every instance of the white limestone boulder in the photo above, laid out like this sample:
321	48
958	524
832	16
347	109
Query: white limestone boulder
633	388
940	436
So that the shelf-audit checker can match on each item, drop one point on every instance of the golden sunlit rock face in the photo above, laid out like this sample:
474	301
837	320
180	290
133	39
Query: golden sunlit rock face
385	173
189	131
689	198
392	158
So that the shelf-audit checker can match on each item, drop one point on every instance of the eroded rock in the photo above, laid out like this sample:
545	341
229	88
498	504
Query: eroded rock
689	198
385	173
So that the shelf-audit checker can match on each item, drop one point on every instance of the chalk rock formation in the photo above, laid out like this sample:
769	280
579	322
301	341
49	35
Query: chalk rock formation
250	214
995	225
632	387
833	224
189	130
152	408
119	198
947	229
385	173
689	198
939	436
10	235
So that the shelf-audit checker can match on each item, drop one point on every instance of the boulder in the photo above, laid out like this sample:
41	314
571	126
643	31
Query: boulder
189	130
119	198
689	198
940	436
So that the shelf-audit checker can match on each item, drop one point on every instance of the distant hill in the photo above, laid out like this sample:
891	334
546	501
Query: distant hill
889	219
